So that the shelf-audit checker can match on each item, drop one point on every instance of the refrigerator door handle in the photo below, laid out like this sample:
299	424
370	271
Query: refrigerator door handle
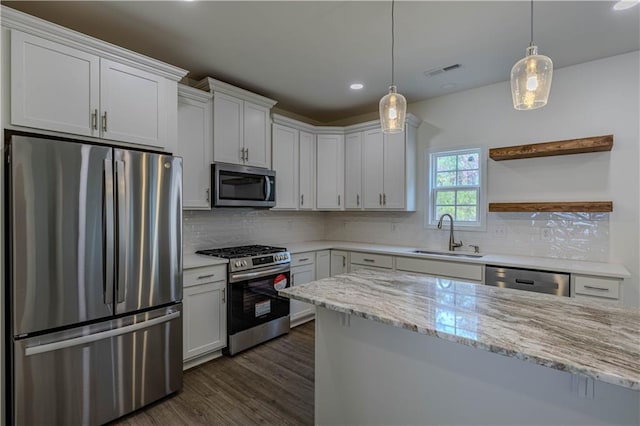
107	212
121	196
83	340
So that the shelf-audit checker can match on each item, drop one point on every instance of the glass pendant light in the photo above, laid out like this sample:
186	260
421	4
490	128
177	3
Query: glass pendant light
393	106
531	77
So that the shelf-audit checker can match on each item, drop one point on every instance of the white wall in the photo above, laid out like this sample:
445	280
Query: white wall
591	99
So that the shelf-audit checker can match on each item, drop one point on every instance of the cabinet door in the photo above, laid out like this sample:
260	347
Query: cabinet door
257	137
353	171
301	275
372	169
339	262
330	175
307	171
53	87
285	163
133	105
205	318
195	144
323	264
393	189
228	129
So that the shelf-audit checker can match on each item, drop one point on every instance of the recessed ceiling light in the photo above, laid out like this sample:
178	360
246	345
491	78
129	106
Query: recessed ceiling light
356	86
625	4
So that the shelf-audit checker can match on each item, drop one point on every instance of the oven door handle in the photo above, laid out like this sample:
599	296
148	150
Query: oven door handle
245	275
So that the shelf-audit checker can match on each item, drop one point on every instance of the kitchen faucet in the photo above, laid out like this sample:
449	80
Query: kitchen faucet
452	242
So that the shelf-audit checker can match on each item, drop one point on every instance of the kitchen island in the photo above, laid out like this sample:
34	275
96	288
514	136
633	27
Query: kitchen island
399	348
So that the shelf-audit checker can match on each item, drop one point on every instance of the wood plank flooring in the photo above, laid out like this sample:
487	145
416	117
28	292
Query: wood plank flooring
270	384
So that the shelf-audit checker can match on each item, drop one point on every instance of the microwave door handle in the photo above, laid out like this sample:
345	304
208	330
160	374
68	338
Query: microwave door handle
267	184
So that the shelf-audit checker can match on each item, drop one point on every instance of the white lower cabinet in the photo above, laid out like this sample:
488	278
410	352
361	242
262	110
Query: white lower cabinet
464	271
595	288
339	262
304	272
323	264
204	314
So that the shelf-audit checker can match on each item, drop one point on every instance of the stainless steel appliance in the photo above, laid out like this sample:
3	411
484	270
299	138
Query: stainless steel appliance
242	186
95	280
528	279
255	311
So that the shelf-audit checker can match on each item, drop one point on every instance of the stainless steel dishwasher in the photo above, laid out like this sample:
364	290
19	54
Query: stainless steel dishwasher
528	279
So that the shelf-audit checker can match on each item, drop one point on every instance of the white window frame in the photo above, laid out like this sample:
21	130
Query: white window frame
431	220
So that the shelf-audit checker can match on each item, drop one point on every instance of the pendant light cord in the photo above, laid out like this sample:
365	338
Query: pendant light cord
531	42
393	42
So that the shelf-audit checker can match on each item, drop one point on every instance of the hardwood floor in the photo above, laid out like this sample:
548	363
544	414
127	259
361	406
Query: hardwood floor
269	384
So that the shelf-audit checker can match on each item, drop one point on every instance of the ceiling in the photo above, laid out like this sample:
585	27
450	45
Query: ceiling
305	54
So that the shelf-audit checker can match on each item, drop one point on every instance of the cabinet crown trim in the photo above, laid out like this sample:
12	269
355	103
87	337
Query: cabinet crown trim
15	20
193	93
213	85
411	120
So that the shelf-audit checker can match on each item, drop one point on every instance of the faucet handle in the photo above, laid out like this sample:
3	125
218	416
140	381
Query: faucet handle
476	249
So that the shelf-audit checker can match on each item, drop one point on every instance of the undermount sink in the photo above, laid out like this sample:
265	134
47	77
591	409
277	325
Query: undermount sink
447	253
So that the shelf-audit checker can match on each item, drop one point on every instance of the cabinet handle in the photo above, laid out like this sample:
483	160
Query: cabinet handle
369	260
208	195
246	154
358	200
104	121
338	199
242	154
344	261
596	288
304	259
201	277
224	295
384	199
302	199
94	119
380	199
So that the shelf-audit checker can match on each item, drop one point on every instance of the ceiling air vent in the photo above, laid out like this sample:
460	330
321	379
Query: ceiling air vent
437	71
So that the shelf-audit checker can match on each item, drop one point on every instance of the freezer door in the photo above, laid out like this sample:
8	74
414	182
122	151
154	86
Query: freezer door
149	229
94	374
60	213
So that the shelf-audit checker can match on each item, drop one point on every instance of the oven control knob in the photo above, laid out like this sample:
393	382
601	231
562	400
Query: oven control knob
238	264
277	257
244	263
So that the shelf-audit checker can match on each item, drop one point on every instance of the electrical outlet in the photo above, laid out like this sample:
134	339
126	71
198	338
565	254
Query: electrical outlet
500	231
546	234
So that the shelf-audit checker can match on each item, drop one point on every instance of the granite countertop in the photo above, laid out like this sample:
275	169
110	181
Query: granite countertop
563	265
556	332
192	260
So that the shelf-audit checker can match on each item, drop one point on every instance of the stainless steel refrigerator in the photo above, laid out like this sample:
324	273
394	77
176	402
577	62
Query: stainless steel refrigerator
95	280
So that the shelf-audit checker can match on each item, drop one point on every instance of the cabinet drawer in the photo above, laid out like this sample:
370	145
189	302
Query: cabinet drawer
378	260
467	271
204	274
308	258
597	286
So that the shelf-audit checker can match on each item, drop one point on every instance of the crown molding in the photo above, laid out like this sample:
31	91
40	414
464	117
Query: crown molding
213	85
291	122
15	20
193	93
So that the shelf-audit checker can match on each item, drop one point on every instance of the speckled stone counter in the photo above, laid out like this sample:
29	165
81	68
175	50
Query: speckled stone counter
598	342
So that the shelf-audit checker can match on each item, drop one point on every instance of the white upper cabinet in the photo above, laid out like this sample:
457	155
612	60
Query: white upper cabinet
330	175
353	171
195	143
64	81
133	105
285	163
389	168
53	86
241	124
228	129
307	171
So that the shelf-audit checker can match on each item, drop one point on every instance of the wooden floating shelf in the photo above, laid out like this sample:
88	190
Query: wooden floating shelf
547	149
554	206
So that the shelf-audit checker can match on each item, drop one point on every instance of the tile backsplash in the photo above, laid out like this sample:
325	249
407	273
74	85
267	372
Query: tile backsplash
578	236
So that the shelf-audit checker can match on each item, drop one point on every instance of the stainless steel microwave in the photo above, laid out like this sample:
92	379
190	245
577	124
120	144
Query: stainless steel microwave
242	186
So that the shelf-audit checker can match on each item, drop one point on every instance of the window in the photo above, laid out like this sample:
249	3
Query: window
456	187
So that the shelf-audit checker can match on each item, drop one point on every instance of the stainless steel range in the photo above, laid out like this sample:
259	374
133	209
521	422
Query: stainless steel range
255	311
